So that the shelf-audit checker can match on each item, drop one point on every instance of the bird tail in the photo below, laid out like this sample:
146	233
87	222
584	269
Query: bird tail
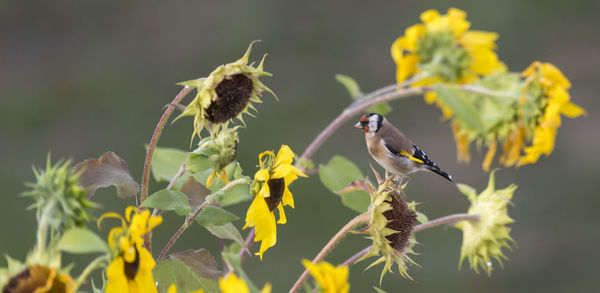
438	171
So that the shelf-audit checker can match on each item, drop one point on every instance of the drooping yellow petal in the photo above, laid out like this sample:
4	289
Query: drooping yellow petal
489	157
473	39
232	284
331	279
262	175
571	110
285	156
282	217
406	67
260	217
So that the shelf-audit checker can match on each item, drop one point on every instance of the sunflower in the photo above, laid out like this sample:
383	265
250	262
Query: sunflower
445	50
331	279
485	238
548	88
390	228
270	189
40	279
131	267
226	93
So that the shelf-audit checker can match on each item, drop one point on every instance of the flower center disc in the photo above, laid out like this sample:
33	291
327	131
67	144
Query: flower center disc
131	268
233	94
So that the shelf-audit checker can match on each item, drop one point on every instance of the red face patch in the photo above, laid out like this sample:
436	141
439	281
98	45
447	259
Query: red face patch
366	128
364	118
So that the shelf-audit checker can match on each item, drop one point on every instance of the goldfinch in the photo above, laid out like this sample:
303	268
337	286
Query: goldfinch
392	150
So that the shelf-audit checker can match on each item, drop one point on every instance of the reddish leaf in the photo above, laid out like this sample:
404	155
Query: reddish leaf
195	192
105	171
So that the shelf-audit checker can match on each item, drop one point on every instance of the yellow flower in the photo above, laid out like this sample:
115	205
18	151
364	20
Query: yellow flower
445	50
225	94
390	227
549	86
270	189
40	279
331	279
485	238
131	268
232	284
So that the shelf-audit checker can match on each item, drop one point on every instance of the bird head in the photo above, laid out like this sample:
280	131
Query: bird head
370	123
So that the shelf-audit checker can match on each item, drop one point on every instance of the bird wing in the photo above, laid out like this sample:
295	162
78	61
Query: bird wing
395	141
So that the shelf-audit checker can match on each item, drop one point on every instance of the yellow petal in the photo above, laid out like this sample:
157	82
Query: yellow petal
285	156
490	155
554	75
172	289
483	61
259	216
232	284
266	288
282	217
429	16
407	67
571	110
262	175
473	39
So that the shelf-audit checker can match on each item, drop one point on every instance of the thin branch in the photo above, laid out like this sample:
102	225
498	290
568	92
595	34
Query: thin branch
96	263
192	217
154	140
451	219
358	220
433	223
249	241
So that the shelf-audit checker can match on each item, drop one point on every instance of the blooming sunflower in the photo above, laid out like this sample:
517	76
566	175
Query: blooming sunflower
444	49
131	268
485	238
548	89
390	228
331	279
39	279
270	190
232	284
226	93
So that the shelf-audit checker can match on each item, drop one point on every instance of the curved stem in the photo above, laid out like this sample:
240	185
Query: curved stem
360	105
154	140
90	267
358	220
249	241
192	217
440	221
446	220
42	231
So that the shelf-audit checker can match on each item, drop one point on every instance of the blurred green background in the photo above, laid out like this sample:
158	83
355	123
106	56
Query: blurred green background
78	78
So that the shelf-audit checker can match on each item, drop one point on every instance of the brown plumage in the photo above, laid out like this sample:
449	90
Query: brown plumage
393	150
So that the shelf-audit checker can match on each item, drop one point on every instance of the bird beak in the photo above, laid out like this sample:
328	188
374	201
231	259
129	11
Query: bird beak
357	125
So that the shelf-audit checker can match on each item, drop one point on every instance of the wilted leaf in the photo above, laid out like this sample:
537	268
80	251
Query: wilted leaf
354	186
189	271
105	171
168	200
215	216
80	240
337	174
196	192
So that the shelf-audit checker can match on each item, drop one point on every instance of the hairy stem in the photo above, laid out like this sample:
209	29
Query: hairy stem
358	220
249	241
96	263
42	231
192	217
433	223
154	140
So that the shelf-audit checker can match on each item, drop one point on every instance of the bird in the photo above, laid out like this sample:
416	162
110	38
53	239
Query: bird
393	150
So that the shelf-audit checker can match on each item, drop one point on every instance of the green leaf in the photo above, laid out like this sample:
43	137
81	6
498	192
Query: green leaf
197	162
227	231
381	108
337	174
80	240
215	216
422	218
236	194
379	290
168	200
462	109
108	170
166	162
188	270
350	84
231	255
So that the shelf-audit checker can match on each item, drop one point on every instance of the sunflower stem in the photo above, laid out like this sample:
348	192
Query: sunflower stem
96	263
153	142
192	217
333	242
357	256
451	219
42	231
384	94
249	241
